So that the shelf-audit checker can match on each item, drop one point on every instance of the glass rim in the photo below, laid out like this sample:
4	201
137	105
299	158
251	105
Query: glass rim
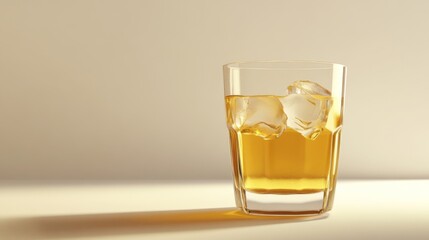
242	65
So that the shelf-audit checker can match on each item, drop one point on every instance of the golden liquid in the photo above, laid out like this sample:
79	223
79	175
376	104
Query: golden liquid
288	164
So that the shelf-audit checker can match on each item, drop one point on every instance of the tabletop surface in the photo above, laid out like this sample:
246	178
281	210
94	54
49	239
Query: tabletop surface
363	209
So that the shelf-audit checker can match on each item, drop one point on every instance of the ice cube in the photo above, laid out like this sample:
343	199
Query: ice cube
259	115
307	105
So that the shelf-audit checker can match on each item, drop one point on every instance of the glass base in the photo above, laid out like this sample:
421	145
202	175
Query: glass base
284	204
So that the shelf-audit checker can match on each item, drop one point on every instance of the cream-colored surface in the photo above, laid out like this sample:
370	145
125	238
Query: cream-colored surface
133	89
362	209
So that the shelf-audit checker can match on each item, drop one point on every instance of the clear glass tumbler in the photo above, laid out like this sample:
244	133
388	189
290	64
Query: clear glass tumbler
284	121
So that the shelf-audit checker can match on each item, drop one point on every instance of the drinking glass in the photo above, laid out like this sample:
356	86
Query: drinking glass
284	121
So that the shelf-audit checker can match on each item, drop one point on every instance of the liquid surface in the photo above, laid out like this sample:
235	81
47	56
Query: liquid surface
280	153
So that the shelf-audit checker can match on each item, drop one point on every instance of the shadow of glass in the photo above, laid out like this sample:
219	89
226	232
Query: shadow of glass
140	223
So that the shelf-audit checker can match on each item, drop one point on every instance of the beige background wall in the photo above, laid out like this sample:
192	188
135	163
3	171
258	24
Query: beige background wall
133	89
